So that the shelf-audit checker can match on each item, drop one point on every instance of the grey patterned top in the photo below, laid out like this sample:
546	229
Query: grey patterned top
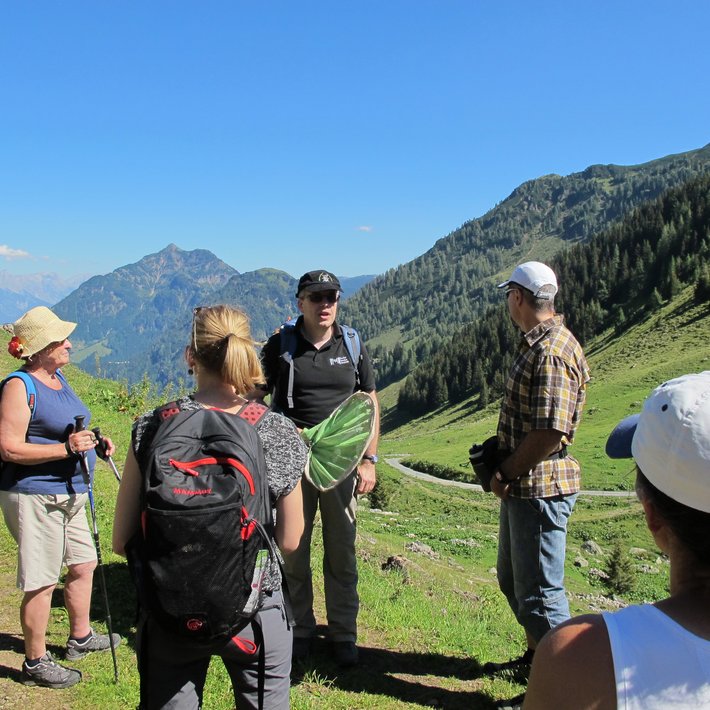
285	453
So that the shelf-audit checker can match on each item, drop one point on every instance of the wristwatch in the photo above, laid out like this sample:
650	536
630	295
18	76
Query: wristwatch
371	457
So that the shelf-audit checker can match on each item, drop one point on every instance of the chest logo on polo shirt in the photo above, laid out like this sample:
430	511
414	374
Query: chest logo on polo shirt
339	360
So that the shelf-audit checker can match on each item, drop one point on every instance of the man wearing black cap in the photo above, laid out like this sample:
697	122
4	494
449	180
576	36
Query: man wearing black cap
307	382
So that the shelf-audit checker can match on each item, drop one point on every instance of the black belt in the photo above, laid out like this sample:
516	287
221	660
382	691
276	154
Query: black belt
561	454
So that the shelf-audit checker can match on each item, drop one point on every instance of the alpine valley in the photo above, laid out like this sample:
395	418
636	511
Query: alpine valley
133	321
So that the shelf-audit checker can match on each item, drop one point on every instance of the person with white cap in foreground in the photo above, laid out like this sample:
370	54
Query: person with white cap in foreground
650	656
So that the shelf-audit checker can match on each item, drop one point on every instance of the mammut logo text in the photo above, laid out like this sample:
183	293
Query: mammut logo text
338	361
187	492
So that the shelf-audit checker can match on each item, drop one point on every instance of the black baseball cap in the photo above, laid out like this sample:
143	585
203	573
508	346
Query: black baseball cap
318	280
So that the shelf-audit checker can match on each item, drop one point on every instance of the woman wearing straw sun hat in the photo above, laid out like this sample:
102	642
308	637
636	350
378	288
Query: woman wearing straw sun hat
651	656
43	493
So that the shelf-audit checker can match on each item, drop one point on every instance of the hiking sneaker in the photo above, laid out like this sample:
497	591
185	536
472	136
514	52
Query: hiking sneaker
345	653
515	703
49	674
515	666
96	642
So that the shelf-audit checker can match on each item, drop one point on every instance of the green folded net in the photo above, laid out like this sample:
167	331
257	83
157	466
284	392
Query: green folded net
339	441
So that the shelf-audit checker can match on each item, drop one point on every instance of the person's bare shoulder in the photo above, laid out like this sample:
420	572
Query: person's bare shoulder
573	668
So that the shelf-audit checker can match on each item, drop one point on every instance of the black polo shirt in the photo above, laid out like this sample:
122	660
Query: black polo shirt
322	378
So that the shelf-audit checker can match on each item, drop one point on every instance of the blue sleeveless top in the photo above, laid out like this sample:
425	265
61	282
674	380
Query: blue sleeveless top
53	420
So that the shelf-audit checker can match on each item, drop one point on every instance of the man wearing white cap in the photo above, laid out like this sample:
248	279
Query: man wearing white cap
536	479
652	656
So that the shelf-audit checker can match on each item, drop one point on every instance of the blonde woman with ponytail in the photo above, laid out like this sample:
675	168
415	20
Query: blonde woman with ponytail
222	357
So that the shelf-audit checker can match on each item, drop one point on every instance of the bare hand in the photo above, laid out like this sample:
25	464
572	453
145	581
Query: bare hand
110	448
501	490
82	441
366	477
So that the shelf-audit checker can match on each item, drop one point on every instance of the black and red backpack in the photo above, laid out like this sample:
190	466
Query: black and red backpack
207	528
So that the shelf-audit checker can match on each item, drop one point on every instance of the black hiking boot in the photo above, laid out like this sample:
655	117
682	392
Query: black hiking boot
345	653
518	667
49	674
302	647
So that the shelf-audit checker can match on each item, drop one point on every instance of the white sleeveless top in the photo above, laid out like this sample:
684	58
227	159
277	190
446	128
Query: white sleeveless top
658	664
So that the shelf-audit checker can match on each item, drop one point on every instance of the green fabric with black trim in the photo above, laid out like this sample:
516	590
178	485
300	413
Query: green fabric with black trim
336	444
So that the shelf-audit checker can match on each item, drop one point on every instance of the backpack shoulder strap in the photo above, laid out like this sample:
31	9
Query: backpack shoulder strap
288	348
351	338
168	410
29	386
253	412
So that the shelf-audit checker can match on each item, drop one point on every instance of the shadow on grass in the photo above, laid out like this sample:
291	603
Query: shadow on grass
14	643
405	675
121	600
122	603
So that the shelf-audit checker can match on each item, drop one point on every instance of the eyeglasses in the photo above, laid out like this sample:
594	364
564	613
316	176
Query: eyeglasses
195	312
510	290
329	296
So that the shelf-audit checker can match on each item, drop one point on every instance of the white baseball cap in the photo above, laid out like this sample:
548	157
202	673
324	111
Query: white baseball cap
536	277
670	439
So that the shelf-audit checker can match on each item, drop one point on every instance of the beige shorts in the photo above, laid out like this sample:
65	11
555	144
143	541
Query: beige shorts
50	531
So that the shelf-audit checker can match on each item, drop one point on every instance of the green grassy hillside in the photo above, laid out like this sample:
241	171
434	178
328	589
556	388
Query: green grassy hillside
624	368
430	609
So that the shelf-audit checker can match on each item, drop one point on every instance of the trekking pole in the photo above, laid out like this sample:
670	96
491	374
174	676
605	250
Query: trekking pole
80	426
101	449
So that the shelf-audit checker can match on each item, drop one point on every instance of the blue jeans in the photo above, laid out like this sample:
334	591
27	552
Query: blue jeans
531	560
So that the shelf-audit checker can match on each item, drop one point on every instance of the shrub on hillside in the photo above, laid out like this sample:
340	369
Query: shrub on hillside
622	577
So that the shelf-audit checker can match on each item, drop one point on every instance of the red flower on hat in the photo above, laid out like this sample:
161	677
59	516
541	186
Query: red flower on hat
15	348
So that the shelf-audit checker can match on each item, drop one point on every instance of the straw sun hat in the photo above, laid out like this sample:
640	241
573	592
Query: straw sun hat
35	330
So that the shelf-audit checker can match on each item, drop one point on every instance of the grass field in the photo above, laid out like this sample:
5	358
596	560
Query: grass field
432	615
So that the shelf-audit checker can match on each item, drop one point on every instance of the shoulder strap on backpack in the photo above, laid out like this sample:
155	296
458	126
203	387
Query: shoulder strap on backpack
29	386
351	338
253	412
288	348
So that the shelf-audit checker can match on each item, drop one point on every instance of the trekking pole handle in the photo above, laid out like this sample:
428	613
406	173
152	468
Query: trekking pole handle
101	445
102	452
79	422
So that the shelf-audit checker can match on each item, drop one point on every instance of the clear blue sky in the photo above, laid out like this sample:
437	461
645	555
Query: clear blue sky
299	134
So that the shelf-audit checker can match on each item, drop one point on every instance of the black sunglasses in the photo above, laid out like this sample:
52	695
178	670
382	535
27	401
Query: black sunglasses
329	296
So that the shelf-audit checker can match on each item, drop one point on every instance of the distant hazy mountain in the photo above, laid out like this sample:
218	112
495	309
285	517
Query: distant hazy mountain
131	320
136	319
20	292
352	284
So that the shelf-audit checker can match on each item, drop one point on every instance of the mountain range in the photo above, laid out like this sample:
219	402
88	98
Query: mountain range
409	313
20	292
134	320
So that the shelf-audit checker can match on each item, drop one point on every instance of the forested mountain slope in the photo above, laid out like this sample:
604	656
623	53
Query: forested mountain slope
409	311
618	277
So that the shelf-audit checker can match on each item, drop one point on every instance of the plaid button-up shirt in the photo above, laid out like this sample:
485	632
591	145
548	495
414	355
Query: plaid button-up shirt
546	389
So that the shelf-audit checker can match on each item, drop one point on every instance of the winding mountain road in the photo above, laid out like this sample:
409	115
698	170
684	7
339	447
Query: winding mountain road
395	463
